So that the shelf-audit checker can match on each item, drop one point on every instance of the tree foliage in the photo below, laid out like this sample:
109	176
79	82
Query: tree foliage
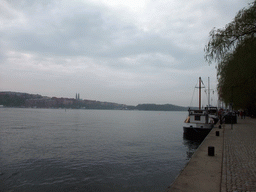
225	41
234	50
237	76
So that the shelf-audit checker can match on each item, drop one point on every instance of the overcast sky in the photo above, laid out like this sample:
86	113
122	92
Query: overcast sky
124	51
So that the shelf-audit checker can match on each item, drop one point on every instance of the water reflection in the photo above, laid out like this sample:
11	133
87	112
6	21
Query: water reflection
192	143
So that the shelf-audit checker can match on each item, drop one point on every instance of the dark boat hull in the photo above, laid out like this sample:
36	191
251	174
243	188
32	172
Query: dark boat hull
195	133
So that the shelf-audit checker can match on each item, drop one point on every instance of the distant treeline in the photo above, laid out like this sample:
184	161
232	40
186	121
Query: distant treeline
12	99
15	99
155	107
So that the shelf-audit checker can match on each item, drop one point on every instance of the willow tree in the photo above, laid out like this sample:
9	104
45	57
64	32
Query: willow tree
234	50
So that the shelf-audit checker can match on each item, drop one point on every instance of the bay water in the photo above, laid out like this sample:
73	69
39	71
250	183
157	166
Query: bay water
91	150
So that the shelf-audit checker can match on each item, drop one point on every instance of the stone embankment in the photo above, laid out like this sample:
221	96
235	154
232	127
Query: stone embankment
233	166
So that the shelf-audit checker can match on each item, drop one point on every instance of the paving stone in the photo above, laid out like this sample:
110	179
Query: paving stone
239	156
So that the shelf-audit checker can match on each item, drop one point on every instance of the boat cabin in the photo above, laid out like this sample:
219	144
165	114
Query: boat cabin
198	116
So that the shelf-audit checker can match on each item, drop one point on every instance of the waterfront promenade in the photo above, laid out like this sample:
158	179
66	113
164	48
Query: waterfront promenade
239	157
232	168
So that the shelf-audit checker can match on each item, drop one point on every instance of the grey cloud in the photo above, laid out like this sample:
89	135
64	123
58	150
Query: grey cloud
77	35
84	33
96	47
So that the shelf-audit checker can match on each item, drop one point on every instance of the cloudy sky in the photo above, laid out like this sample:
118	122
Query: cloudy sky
124	51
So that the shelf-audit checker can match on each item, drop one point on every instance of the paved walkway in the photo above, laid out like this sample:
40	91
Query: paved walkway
233	168
239	156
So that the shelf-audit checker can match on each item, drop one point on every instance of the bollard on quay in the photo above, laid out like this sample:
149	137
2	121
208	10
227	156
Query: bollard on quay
210	151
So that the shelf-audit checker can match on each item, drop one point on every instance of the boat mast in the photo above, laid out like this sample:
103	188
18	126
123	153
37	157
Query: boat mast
199	93
209	92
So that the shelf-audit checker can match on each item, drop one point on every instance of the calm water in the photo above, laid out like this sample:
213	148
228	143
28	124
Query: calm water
91	150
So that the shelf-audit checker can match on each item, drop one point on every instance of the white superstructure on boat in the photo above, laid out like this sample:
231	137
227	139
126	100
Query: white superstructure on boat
200	121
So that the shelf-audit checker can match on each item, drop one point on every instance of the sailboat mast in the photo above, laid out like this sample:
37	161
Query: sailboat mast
199	93
209	92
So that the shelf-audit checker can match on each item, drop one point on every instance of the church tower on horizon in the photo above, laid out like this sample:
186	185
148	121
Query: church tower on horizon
77	96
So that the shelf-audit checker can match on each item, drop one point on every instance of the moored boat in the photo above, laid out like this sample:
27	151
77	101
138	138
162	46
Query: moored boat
213	113
200	121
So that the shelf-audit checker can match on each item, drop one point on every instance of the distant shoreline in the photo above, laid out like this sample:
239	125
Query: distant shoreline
26	100
22	107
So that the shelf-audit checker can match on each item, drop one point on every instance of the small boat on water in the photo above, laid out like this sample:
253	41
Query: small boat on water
200	121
